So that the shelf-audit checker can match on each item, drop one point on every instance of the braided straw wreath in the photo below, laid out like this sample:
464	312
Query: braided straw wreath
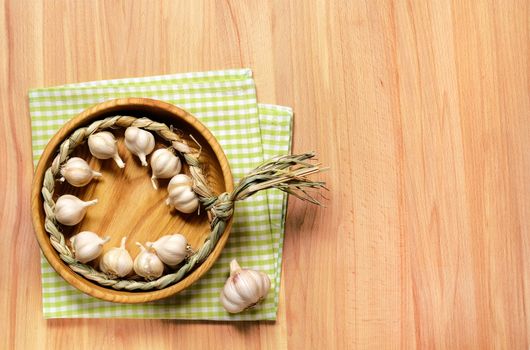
287	173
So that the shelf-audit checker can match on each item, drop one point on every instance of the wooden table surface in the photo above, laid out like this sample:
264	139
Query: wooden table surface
420	108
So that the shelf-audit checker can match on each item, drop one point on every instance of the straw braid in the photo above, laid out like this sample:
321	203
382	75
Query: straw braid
287	173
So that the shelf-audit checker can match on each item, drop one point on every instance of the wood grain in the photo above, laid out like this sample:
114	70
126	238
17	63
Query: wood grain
129	190
422	110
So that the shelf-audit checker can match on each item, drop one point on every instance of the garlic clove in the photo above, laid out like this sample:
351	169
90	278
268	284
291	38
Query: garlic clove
102	145
244	288
148	264
140	142
164	164
117	261
70	210
171	249
87	246
181	195
77	172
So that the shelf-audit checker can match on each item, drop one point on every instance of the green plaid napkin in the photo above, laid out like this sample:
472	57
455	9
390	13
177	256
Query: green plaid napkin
225	101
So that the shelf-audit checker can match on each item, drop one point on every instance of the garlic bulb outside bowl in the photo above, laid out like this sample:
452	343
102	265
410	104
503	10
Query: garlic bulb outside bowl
244	288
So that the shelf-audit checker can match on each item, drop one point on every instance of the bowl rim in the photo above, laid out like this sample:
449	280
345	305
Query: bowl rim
92	288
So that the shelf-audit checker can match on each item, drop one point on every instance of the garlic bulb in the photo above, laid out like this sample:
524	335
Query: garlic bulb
87	246
140	142
117	261
77	172
147	264
244	288
164	165
102	145
171	249
181	195
70	210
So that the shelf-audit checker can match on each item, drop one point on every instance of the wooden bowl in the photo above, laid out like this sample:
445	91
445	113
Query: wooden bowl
128	205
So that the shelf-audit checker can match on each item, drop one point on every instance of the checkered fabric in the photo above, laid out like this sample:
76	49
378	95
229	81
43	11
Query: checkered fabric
225	101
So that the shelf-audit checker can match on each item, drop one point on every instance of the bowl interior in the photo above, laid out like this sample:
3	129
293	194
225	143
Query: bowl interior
128	205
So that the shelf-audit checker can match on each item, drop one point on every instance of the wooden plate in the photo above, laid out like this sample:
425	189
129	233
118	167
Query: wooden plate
128	205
